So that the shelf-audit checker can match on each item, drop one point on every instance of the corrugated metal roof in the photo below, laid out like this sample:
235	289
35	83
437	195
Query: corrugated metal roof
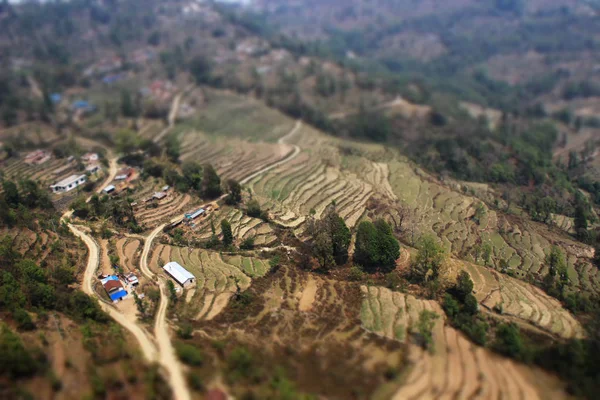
118	295
178	273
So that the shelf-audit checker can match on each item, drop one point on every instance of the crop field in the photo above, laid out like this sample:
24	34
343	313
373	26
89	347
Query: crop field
217	277
242	227
30	244
154	213
310	325
128	250
45	174
30	135
456	368
232	158
310	183
448	215
233	116
521	300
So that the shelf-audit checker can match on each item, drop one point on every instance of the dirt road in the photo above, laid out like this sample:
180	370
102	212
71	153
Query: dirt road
290	157
113	168
172	114
168	359
148	348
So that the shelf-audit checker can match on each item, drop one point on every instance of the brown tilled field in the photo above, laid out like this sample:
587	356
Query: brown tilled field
309	326
456	368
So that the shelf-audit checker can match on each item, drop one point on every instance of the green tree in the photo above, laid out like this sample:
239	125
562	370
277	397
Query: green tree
509	342
486	251
211	183
227	234
173	148
425	329
464	285
201	69
376	246
11	194
429	261
172	292
15	360
235	192
126	141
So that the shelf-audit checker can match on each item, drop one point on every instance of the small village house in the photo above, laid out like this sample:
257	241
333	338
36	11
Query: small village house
68	184
114	288
180	274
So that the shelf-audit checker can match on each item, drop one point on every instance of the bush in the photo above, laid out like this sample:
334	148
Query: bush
15	360
247	244
509	342
355	274
23	319
376	246
189	354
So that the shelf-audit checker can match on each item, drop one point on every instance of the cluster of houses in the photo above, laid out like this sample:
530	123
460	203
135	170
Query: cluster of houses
116	286
92	166
37	157
159	90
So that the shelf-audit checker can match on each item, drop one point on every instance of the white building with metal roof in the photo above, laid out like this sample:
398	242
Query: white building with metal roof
180	274
69	183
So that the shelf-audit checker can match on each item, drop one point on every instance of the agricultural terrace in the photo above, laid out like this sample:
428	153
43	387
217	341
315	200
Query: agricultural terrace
149	128
310	324
242	227
454	218
456	368
309	183
227	115
30	135
232	158
128	250
30	244
45	174
450	216
153	213
217	277
518	299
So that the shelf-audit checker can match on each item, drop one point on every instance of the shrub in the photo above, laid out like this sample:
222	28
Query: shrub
15	360
376	246
189	354
355	274
23	319
248	243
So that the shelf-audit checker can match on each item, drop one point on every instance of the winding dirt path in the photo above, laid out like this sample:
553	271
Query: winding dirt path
291	156
146	344
113	168
167	357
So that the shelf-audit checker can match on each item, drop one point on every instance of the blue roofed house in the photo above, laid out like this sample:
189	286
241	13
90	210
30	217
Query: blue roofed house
180	274
82	105
55	98
114	288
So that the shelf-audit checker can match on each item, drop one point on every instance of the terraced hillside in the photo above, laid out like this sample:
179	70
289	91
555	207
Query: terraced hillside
153	213
46	174
228	115
309	183
242	227
457	368
128	250
521	300
309	325
217	277
232	158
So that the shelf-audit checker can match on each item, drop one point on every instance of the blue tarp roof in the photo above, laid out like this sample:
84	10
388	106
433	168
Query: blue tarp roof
118	295
55	97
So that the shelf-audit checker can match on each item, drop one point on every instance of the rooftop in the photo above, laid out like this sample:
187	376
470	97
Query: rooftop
70	180
179	273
